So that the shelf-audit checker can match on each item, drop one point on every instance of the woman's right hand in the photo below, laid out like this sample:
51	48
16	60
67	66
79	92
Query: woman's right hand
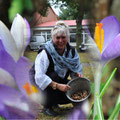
63	87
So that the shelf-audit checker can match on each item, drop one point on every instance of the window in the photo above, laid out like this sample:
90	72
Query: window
49	37
73	38
45	33
33	39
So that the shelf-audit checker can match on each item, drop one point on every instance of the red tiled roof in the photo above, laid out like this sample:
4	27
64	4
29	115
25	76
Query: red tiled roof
68	22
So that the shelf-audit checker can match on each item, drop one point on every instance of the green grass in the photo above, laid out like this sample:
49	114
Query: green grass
87	73
87	69
31	55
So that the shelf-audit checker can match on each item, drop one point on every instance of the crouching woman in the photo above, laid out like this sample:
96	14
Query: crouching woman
53	65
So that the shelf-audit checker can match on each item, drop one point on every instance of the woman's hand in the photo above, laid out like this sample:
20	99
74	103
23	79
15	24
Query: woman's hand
79	75
63	87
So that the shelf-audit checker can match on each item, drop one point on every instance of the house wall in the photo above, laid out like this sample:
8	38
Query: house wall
51	16
38	19
46	33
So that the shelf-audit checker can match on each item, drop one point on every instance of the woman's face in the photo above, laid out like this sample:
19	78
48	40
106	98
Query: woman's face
60	41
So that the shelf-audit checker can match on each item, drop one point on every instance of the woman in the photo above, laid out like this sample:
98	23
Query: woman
54	64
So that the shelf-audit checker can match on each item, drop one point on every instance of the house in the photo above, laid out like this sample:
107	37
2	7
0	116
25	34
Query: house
44	25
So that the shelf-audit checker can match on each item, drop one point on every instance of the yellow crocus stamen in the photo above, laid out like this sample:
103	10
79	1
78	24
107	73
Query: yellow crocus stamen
30	89
102	40
97	35
100	26
27	88
34	89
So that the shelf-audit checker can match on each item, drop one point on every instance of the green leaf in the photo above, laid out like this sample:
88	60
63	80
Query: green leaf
116	110
99	108
91	112
1	118
107	82
96	117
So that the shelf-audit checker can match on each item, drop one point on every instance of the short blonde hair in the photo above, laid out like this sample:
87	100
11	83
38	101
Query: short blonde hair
61	28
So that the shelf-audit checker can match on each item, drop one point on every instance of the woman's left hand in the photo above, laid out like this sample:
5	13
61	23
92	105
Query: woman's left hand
79	75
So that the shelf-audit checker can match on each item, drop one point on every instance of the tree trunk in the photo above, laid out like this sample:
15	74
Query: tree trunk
4	6
79	29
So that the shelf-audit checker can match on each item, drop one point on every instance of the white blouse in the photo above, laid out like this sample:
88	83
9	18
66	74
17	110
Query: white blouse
41	66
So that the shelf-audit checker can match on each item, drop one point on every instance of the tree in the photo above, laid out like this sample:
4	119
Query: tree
78	9
66	13
27	8
23	7
115	8
41	6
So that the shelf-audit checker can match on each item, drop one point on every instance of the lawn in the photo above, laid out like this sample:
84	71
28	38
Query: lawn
110	96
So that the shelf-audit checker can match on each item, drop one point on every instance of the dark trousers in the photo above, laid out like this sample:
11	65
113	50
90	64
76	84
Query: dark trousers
54	97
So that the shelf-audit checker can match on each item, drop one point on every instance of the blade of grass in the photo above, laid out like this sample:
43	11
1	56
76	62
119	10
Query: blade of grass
1	118
96	117
99	108
91	112
116	110
107	82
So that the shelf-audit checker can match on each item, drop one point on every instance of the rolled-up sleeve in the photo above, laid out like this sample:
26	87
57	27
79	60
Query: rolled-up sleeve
41	66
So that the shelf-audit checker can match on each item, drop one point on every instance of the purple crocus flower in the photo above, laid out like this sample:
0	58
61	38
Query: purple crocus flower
111	45
80	111
110	50
13	43
15	104
14	69
78	114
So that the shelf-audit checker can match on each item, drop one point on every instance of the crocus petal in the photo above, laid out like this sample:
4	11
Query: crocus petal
113	50
19	32
8	41
15	113
7	67
2	109
93	49
22	73
6	61
14	104
9	94
6	78
28	33
111	28
78	114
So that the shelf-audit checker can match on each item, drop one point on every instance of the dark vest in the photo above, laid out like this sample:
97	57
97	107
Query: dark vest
50	71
